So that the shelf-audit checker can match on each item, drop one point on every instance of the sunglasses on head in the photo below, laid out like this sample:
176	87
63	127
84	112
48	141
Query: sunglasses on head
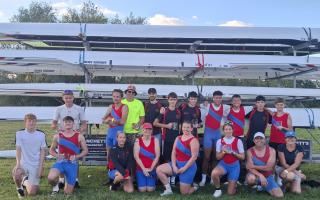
228	123
130	91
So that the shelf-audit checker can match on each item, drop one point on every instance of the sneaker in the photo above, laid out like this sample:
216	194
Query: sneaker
20	192
172	180
217	194
259	188
202	183
77	185
61	185
55	190
25	178
279	181
114	187
195	186
166	192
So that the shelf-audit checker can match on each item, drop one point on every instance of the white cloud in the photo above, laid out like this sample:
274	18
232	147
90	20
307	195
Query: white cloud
236	23
3	17
62	8
108	12
159	19
194	17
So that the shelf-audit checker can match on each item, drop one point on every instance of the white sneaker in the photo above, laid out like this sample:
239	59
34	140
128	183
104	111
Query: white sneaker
166	192
259	188
55	190
172	180
202	183
217	194
195	186
279	181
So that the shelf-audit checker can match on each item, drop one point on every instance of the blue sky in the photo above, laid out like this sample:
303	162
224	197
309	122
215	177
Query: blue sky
259	13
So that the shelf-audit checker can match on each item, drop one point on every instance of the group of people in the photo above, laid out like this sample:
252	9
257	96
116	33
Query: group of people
148	141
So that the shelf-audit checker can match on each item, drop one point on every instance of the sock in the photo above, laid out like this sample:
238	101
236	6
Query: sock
61	180
167	186
77	179
218	188
204	177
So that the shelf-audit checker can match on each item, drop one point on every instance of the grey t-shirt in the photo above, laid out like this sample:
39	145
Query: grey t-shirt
76	112
30	144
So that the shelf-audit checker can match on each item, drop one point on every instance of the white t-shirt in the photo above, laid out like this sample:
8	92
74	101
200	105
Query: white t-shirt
30	144
75	111
229	140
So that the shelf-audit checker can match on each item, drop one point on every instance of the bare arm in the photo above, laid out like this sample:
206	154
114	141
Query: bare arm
124	115
173	154
157	150
18	155
53	146
54	125
157	123
84	126
136	149
106	115
83	146
289	122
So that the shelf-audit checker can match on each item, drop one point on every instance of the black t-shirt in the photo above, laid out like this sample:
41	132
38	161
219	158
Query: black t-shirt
258	122
169	116
290	156
191	114
152	111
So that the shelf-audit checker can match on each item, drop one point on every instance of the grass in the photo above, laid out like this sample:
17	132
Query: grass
92	178
92	187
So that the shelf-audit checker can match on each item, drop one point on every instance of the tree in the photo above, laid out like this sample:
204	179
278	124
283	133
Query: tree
40	12
89	13
132	19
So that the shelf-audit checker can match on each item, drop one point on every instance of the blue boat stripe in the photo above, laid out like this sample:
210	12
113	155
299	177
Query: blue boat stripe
236	120
146	153
214	115
114	115
68	144
183	149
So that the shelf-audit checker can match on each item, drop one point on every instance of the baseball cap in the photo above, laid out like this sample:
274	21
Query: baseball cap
290	134
259	134
147	126
67	92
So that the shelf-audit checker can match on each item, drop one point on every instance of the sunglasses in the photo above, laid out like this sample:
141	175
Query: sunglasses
130	92
228	123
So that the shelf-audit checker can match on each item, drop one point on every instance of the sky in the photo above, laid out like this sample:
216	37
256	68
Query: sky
257	13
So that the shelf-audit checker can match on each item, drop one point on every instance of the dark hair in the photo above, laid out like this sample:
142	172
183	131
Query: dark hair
119	91
193	94
152	90
227	123
260	98
68	118
172	95
279	100
217	93
187	122
235	96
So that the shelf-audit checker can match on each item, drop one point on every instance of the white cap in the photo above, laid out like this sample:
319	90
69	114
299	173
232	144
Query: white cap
259	134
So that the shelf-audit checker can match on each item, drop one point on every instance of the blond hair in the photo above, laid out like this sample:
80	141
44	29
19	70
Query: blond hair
30	116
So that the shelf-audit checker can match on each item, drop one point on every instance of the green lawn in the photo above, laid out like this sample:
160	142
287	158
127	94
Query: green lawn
92	186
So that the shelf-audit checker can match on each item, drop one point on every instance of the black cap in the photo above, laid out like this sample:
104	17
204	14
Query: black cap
152	90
